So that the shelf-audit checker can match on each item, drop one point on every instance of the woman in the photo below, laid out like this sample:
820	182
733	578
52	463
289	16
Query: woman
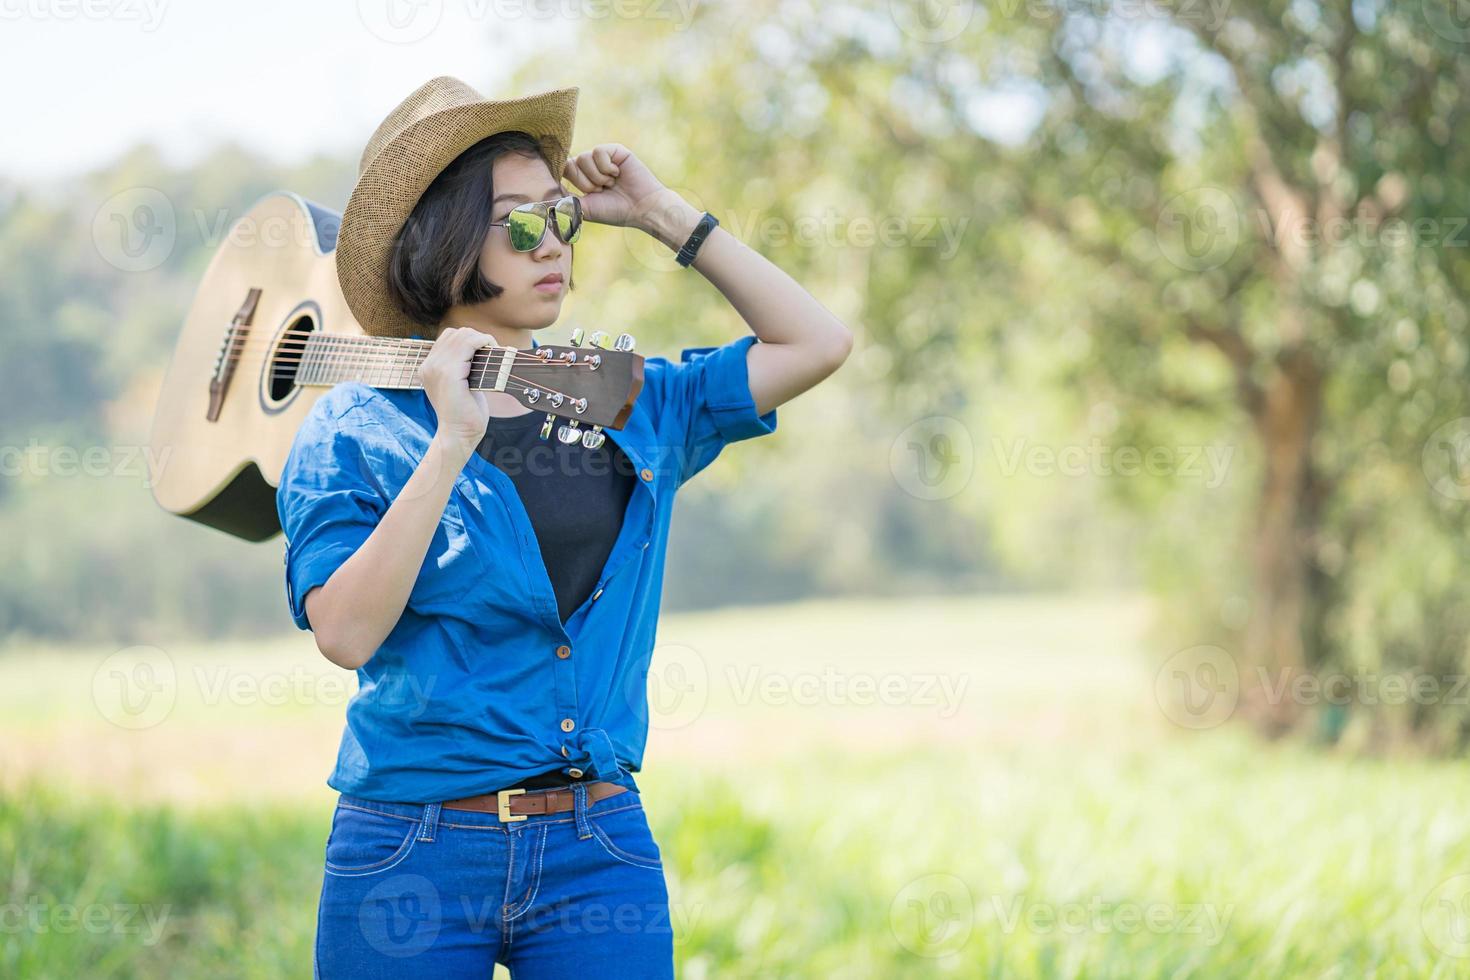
499	606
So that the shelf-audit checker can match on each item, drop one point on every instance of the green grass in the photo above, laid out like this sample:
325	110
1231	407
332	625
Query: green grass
1054	827
1235	859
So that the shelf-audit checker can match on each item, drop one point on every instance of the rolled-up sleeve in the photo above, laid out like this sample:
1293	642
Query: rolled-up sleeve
709	392
328	503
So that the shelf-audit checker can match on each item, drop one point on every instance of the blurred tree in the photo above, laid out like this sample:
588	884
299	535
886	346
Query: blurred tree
1242	219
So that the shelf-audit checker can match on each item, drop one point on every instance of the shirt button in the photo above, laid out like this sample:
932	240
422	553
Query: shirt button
596	594
567	724
563	652
647	474
575	773
565	754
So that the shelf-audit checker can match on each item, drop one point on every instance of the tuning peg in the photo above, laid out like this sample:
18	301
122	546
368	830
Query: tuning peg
600	339
546	426
624	342
569	433
593	438
577	336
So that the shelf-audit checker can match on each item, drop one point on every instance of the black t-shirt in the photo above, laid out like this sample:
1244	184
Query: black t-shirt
575	497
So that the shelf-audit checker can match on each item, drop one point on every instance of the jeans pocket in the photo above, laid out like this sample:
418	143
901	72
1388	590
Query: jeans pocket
363	842
625	835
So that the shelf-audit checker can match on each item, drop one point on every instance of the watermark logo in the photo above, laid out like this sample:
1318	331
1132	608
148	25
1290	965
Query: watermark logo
402	916
1445	916
933	458
933	916
1199	230
134	230
1450	19
1446	459
135	687
677	687
400	21
1198	687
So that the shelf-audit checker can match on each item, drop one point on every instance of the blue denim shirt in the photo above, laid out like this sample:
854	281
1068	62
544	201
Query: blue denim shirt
479	684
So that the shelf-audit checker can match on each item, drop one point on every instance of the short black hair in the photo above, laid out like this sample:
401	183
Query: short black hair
435	260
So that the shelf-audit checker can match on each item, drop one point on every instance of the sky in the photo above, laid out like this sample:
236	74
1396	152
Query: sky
87	79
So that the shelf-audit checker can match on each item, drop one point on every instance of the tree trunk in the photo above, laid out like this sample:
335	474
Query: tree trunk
1283	631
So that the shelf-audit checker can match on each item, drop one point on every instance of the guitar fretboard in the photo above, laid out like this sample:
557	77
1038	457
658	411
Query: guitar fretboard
384	362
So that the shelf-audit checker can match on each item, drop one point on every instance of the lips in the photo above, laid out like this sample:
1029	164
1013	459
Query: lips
554	277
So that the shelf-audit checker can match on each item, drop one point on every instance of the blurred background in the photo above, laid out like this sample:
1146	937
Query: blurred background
1105	615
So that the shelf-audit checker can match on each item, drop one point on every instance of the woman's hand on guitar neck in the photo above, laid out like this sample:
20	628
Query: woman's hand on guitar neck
463	412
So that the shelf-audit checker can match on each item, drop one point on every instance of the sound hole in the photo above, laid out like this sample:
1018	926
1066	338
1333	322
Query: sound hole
286	358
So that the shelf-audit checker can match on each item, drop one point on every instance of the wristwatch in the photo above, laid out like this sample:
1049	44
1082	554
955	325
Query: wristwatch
701	231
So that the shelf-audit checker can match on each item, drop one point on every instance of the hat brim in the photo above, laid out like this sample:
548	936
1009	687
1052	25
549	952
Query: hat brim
391	185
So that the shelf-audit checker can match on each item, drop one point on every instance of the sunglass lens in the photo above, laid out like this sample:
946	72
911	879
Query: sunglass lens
526	228
569	219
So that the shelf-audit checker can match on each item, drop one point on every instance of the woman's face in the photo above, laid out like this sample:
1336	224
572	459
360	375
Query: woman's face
524	305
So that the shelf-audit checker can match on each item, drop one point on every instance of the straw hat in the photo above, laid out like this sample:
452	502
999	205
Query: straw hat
439	121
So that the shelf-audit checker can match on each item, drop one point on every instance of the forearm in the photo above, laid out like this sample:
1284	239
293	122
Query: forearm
360	604
775	307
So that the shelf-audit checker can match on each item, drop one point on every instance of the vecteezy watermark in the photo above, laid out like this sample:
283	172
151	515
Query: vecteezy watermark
939	21
831	686
1309	231
830	230
223	684
827	229
1445	916
411	21
402	915
139	686
1450	19
147	13
1198	687
1368	688
1200	229
135	687
678	688
933	915
1209	464
38	459
37	916
933	458
135	229
1446	459
1101	916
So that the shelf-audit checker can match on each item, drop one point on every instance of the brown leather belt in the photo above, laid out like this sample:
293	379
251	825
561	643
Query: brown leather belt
518	804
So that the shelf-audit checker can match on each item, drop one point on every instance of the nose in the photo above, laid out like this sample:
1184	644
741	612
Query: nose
551	246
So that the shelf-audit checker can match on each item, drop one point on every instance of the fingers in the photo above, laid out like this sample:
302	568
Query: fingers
602	158
457	345
578	175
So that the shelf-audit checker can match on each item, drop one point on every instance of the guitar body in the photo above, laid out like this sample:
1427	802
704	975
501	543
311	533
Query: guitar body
223	471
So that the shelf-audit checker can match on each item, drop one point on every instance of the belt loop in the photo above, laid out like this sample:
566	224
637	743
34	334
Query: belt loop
579	804
430	822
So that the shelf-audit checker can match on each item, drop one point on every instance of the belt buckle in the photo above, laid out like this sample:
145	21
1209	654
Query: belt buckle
502	798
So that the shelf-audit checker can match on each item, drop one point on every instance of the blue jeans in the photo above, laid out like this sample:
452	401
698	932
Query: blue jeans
420	891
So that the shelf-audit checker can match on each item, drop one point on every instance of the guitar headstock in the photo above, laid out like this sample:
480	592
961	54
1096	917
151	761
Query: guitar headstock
590	387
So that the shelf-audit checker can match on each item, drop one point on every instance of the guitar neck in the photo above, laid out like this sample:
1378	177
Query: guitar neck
387	362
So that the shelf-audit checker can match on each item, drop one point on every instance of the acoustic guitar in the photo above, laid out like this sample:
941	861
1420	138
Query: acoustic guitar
269	332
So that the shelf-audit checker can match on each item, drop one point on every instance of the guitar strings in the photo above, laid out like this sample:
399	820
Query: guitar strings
366	352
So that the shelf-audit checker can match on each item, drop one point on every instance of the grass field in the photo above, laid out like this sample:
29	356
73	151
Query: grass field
1011	803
